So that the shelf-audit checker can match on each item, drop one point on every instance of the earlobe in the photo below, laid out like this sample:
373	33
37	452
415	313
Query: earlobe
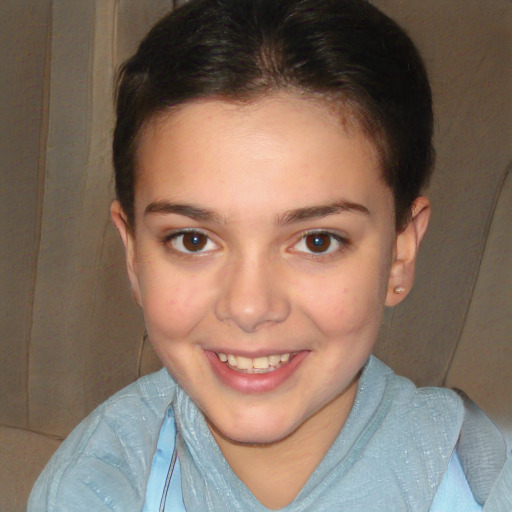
120	221
407	243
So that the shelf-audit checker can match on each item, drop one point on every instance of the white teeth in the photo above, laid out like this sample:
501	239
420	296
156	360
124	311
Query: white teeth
262	363
274	360
244	363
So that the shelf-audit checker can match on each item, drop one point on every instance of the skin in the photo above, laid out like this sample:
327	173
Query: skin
263	172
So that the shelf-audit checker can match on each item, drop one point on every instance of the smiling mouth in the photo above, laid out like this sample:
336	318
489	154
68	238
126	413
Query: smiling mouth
264	364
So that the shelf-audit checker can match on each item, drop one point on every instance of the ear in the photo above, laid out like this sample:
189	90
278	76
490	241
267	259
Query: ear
407	243
127	236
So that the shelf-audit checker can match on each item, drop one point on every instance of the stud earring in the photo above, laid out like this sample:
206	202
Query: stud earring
399	289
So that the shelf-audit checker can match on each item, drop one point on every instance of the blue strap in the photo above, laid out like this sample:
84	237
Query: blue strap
454	494
163	491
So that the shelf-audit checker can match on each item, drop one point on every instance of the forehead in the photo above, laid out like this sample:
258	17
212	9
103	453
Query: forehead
271	113
297	145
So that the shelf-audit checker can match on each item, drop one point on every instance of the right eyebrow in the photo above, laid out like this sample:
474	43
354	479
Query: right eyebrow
317	212
187	210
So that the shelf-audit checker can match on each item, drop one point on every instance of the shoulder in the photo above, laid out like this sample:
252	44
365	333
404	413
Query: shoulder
433	411
432	424
406	436
426	424
105	461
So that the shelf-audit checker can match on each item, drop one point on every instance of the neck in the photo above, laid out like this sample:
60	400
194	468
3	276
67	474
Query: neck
275	473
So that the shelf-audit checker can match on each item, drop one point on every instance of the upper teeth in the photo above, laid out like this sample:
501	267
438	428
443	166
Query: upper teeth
257	363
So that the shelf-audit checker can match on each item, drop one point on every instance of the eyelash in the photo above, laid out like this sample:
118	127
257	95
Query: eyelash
172	238
341	244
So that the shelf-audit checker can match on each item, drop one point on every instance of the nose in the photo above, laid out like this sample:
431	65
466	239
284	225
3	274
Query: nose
252	295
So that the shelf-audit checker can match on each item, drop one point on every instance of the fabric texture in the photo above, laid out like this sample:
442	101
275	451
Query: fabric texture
500	498
164	492
104	463
392	453
454	494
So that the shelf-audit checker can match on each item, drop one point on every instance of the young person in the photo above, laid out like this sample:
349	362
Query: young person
269	158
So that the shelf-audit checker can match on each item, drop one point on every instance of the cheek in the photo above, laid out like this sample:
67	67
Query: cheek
172	303
347	301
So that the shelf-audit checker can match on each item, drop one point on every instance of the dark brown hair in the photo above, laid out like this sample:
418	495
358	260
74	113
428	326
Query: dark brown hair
345	51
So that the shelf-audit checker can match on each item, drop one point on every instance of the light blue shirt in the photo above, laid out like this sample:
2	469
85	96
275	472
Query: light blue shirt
163	492
393	453
454	493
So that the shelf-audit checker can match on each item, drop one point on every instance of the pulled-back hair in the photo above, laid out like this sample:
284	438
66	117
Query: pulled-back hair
341	51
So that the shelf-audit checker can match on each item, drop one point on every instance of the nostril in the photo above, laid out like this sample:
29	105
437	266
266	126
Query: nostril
250	295
252	311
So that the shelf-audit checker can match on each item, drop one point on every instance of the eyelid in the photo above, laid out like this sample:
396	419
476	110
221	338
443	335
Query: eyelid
168	238
342	244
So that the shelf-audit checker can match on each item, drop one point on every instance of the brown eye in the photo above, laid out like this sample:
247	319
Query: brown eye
318	242
194	241
191	242
320	245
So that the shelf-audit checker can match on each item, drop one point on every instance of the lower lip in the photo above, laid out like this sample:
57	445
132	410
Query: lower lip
255	382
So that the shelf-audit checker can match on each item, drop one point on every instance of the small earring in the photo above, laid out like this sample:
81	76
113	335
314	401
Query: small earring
399	289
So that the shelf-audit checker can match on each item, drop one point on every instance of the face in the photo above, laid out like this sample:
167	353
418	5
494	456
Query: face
261	256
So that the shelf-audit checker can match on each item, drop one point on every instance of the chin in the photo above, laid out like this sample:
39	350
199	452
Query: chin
252	432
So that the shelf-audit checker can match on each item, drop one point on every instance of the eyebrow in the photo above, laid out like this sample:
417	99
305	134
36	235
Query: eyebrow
188	210
317	212
297	215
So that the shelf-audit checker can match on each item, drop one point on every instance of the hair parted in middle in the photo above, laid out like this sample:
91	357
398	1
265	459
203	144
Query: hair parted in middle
345	52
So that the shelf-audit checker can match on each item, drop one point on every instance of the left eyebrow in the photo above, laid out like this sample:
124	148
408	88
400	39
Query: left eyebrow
187	210
317	212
